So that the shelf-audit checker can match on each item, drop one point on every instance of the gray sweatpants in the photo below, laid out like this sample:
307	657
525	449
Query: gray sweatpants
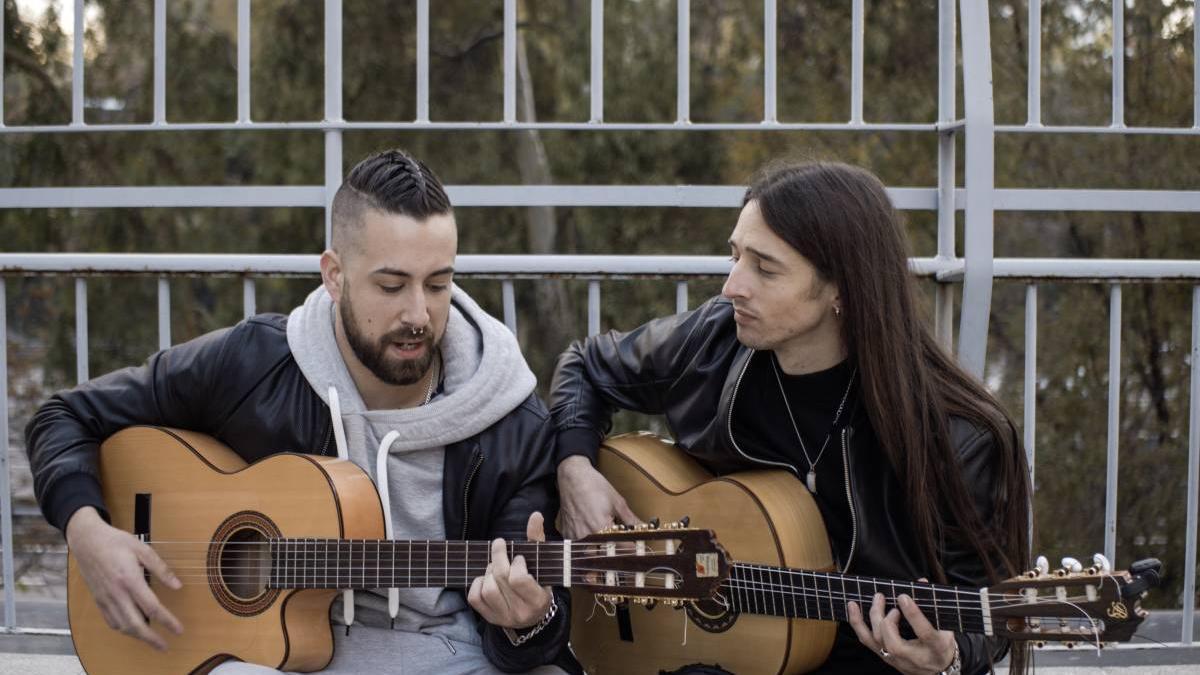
380	650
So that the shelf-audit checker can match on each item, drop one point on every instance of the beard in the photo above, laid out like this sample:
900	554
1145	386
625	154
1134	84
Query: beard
374	355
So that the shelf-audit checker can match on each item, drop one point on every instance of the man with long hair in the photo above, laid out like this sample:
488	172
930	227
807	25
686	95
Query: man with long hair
815	360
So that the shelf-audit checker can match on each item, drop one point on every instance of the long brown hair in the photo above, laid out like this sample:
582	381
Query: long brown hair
839	217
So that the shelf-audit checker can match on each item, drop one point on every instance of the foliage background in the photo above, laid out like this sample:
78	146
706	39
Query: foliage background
726	85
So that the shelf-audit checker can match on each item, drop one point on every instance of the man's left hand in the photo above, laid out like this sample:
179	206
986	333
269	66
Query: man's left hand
506	595
931	651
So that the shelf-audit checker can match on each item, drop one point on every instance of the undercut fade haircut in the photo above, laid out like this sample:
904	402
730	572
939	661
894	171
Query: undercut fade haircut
392	182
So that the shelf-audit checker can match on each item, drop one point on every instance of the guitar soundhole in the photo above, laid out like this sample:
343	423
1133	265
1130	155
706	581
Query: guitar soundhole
711	616
239	564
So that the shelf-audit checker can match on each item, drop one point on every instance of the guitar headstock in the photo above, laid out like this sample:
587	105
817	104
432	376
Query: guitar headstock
648	563
1073	604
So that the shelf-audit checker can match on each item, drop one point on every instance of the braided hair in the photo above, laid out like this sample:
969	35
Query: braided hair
392	182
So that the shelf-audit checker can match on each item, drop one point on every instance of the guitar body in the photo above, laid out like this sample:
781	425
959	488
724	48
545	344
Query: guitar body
760	516
188	487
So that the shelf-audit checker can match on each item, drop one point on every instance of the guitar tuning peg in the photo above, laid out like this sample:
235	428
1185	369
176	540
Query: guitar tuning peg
1070	645
1102	564
654	524
683	522
1043	566
1072	565
651	603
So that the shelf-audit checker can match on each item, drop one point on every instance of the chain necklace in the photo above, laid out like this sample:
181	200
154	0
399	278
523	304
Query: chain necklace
433	378
811	478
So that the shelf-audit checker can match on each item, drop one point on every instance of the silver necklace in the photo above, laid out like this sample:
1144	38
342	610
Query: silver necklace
437	362
811	478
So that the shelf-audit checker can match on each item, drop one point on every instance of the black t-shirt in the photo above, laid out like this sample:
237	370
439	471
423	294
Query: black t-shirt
762	430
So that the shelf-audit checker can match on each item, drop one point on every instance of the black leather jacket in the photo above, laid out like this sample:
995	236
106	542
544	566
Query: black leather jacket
242	386
689	367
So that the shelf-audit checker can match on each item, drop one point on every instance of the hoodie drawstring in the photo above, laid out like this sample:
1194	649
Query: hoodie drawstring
339	437
385	498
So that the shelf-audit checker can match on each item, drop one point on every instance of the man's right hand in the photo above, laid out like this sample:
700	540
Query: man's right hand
111	562
589	501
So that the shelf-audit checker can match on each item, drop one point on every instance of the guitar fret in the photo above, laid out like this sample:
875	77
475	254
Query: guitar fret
833	615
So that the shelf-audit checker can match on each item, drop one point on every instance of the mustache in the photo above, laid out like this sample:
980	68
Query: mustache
407	333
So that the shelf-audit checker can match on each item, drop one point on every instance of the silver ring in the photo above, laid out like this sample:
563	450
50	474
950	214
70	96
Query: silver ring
884	653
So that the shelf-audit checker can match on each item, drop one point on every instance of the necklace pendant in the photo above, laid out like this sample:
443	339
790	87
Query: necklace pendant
811	479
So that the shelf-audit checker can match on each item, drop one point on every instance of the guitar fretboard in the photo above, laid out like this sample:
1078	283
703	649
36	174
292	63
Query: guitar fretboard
778	591
371	563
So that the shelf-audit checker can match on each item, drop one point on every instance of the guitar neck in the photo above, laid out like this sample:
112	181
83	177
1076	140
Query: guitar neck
803	594
372	563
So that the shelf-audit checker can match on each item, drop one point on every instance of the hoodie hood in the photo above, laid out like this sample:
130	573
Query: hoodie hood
484	375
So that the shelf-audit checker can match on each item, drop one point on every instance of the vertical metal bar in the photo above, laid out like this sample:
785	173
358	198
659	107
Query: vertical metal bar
333	110
2	33
1195	65
1189	559
81	330
6	506
597	76
683	62
980	185
947	65
243	61
510	60
333	178
770	49
333	60
160	61
1034	117
509	299
164	313
947	159
856	63
249	301
1030	393
593	308
1118	64
681	297
77	67
1114	420
943	315
422	60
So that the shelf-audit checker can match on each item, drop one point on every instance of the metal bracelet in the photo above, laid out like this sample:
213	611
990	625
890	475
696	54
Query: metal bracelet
519	639
955	667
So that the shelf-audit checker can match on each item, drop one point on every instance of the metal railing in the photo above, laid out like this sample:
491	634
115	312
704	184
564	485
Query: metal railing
978	198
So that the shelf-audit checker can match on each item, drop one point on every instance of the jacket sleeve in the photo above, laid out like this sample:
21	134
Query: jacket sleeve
962	563
537	492
629	371
176	387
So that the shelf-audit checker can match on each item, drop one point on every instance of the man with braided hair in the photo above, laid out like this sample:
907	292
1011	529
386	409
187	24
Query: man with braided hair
387	342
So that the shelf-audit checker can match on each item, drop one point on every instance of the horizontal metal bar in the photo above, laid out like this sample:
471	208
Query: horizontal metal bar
589	266
487	126
22	630
514	266
1087	269
1083	129
162	197
691	196
1096	200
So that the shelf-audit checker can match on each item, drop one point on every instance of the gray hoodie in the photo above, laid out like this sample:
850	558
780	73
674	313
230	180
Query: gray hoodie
484	378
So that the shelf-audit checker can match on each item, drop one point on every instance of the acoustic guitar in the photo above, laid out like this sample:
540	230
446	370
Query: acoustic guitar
262	550
777	610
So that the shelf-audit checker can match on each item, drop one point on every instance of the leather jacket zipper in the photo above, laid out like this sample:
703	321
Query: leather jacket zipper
849	498
328	437
467	489
729	423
